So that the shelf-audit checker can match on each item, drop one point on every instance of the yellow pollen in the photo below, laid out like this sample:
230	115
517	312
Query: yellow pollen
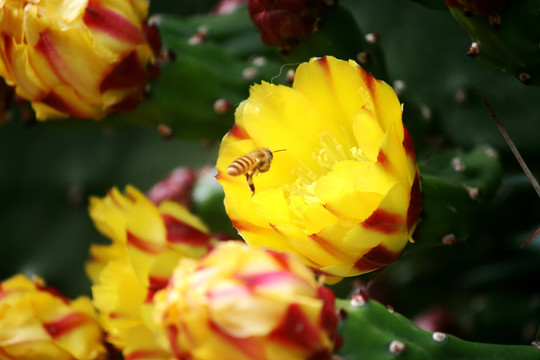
326	156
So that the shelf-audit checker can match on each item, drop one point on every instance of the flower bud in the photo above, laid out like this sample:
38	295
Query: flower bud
480	7
83	58
243	303
284	23
177	186
344	194
36	322
224	7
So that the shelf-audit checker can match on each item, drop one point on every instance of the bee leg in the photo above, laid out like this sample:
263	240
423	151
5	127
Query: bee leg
249	178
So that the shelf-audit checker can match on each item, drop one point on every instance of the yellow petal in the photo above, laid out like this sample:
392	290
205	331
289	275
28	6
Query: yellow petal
368	133
20	73
336	88
271	205
393	234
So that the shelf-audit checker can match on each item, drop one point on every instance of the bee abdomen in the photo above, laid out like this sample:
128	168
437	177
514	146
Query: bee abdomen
240	166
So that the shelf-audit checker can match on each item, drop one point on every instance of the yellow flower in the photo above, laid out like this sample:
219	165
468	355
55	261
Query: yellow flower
38	323
345	194
240	303
82	58
147	242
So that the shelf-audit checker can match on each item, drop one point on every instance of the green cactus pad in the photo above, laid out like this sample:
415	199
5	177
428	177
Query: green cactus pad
512	43
372	331
208	68
432	4
455	188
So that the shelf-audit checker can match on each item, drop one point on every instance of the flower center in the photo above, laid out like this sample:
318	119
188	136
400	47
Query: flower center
326	156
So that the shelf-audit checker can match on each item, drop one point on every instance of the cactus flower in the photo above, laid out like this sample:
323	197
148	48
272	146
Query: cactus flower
345	194
284	23
147	242
246	304
80	58
36	322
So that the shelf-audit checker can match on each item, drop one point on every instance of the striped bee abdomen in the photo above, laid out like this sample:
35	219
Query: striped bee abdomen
241	165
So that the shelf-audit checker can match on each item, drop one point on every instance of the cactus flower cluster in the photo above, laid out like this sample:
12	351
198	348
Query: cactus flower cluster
245	249
164	292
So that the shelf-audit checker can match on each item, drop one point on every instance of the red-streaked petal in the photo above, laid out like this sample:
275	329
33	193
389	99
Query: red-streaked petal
128	73
65	324
375	259
99	18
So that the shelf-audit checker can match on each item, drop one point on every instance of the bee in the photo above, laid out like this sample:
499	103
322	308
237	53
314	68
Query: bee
254	162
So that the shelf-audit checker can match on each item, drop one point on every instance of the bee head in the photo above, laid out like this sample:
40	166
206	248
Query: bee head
269	153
